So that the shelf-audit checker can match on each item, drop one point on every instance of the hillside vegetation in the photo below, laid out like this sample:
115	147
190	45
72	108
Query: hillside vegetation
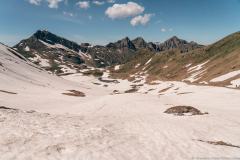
197	66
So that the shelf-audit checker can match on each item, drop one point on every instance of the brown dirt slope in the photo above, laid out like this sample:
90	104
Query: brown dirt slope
223	57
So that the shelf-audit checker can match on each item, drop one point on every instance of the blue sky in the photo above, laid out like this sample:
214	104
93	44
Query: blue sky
102	21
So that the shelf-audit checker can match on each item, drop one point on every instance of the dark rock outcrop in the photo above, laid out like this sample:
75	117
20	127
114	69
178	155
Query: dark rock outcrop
176	43
60	51
57	51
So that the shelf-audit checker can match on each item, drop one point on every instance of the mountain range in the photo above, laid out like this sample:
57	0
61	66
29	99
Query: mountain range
174	59
53	52
216	64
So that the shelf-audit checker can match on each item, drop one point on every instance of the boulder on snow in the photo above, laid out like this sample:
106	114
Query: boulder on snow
75	93
184	110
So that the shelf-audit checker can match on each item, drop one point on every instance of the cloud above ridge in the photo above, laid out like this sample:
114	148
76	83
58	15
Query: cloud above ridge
119	11
141	20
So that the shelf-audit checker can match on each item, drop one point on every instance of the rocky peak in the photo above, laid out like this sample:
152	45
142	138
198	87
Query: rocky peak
52	39
139	43
153	46
124	44
124	41
174	38
177	43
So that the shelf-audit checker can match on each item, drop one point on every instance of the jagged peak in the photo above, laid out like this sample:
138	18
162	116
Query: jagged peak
42	31
173	38
193	42
44	34
126	39
139	39
51	38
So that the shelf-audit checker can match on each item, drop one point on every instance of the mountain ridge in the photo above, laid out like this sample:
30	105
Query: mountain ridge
55	48
217	64
134	56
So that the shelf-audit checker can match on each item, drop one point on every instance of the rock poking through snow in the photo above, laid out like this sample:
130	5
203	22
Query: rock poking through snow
184	110
75	93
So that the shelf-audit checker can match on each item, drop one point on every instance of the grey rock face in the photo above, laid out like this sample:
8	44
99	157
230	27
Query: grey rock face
60	51
176	43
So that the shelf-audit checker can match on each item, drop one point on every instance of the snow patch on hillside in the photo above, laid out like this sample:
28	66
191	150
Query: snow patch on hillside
106	74
117	67
235	83
27	49
67	69
197	67
58	46
195	76
195	72
148	61
188	65
41	61
137	65
226	76
85	55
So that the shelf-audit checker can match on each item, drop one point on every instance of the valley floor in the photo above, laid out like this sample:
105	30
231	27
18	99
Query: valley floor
109	124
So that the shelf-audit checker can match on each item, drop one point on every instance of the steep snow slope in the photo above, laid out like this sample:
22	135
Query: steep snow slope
31	84
20	70
110	124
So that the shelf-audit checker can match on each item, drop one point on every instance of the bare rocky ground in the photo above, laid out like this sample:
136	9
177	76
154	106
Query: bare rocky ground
74	93
184	110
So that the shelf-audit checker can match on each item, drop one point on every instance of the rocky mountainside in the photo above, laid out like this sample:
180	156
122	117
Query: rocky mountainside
53	39
218	64
51	52
125	50
140	43
59	55
113	53
123	45
176	43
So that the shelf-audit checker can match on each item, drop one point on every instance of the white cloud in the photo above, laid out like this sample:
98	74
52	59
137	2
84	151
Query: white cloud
163	30
35	2
68	14
118	11
166	30
111	1
141	20
83	4
98	3
53	3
